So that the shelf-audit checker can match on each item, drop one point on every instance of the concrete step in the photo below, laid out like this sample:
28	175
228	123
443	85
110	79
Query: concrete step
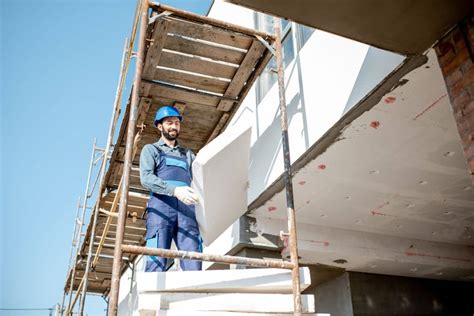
222	281
223	302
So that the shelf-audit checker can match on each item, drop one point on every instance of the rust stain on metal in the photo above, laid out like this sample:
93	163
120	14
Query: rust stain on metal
429	107
284	238
167	253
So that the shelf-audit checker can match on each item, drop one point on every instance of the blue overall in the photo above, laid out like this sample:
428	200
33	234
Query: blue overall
168	218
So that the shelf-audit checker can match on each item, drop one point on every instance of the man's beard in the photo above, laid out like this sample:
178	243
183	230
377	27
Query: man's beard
166	134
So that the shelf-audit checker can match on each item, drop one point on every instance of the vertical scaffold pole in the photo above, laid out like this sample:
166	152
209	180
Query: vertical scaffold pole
122	214
113	120
74	244
82	224
295	272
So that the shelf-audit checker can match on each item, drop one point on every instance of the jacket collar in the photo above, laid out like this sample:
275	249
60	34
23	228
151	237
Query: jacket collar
161	142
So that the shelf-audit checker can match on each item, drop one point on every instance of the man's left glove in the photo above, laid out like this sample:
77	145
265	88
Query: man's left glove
186	195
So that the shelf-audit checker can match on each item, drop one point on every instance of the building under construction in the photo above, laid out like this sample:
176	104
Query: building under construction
373	213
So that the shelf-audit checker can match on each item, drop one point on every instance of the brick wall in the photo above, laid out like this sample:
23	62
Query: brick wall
458	71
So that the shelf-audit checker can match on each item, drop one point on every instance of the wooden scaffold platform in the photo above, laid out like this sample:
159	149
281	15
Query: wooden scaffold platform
205	68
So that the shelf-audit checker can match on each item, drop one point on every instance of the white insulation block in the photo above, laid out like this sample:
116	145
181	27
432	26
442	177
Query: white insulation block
222	281
225	302
220	179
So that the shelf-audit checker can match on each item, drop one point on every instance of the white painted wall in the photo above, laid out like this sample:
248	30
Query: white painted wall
319	82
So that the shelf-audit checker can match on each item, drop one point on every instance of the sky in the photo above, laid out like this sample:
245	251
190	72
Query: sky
59	66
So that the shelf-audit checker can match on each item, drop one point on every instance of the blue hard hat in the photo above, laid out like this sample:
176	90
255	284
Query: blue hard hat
166	111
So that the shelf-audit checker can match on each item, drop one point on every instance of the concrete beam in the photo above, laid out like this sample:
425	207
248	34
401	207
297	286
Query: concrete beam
377	253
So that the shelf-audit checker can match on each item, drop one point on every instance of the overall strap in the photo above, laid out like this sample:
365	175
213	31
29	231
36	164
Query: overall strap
183	151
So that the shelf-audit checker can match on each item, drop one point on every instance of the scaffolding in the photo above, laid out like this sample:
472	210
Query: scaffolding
204	67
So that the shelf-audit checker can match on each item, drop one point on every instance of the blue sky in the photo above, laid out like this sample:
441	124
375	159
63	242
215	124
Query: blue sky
59	64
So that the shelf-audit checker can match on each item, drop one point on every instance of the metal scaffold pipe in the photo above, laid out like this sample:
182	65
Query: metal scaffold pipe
167	253
74	244
295	272
122	216
83	215
113	121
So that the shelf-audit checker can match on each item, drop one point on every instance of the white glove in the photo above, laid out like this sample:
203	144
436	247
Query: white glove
186	195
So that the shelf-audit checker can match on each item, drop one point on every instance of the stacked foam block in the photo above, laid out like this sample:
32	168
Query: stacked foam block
215	293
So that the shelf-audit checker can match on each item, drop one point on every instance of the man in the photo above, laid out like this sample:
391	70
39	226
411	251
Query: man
165	169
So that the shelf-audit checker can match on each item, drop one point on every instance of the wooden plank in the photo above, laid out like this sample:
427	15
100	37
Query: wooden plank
217	129
209	33
104	251
130	207
181	107
143	109
255	74
196	64
129	234
111	175
242	75
194	134
196	113
94	275
129	239
226	105
92	287
132	227
194	47
189	16
139	225
155	50
134	198
190	80
157	91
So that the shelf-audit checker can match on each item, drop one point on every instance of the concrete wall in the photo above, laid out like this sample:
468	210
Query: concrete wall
328	75
375	294
334	296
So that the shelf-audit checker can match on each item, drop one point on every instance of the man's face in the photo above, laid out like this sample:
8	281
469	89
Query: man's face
170	127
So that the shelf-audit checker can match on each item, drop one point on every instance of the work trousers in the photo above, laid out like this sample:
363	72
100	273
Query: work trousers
170	219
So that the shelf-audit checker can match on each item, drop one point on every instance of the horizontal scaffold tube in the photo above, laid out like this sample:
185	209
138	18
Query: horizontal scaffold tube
207	257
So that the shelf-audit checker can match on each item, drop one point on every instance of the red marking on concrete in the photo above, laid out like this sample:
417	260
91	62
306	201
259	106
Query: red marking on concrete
390	100
410	253
323	242
272	208
302	182
376	210
322	167
375	124
429	107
